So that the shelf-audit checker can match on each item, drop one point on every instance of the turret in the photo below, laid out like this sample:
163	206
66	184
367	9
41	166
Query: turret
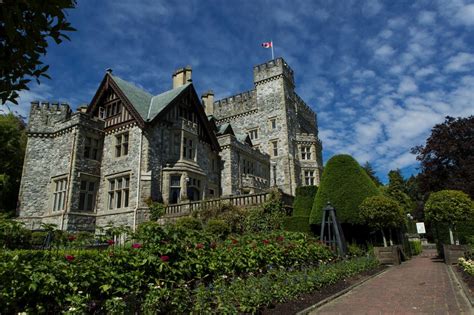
271	70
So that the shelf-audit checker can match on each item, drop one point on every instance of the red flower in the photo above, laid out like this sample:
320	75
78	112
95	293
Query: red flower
266	242
110	242
280	238
234	241
165	258
71	238
199	245
136	245
69	257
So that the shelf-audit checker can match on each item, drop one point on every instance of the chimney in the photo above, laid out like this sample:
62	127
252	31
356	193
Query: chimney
208	102
182	76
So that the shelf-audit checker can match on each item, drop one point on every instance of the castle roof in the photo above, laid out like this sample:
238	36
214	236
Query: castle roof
147	105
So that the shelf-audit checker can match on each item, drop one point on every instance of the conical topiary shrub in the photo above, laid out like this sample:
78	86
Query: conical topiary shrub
345	184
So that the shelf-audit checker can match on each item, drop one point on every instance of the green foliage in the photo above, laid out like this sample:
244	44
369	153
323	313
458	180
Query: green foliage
370	171
345	184
13	143
217	227
381	212
165	260
157	209
415	247
189	223
355	250
303	201
13	235
297	224
302	204
449	206
405	202
27	28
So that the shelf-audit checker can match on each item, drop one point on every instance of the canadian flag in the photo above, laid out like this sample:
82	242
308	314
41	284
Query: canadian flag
267	45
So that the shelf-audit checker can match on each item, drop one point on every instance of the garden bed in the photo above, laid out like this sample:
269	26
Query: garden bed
467	279
306	300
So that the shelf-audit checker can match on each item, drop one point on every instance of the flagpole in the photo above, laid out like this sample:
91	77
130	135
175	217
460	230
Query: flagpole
271	41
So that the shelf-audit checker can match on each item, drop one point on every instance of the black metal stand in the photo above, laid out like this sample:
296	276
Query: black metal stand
331	231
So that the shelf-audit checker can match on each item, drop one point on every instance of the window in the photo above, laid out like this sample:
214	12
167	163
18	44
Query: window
113	109
121	144
273	123
275	148
253	134
119	192
91	148
175	188
177	144
309	178
306	153
59	195
274	175
189	149
87	195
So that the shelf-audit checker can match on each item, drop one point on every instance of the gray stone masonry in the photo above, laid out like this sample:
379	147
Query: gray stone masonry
285	125
244	170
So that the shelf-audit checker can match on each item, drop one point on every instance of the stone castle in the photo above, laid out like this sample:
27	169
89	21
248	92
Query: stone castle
101	164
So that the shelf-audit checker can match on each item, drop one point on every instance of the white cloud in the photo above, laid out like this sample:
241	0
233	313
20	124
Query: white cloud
357	90
371	7
321	14
462	62
384	52
425	71
426	17
407	85
41	92
465	15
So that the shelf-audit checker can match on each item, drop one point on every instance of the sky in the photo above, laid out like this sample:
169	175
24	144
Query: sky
379	74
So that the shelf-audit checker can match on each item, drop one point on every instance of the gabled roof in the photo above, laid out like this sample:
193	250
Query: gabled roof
225	129
244	138
147	105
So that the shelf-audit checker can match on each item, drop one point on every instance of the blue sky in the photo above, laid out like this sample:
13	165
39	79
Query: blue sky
379	74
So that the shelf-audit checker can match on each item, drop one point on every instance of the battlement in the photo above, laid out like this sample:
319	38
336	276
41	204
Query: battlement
271	69
302	106
235	104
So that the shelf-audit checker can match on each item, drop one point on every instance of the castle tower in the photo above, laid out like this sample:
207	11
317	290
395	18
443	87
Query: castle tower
279	123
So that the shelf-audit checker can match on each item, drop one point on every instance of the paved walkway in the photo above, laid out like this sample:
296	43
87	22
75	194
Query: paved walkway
421	285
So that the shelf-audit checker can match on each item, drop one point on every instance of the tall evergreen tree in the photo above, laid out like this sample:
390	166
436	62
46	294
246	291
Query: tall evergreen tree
370	171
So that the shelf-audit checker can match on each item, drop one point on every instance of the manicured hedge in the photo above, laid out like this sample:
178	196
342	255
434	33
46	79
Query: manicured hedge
299	221
297	224
304	199
345	184
415	247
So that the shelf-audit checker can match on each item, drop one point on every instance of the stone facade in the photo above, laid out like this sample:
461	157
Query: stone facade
278	122
102	164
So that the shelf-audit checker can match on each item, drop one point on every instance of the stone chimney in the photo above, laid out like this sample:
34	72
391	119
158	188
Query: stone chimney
182	76
208	102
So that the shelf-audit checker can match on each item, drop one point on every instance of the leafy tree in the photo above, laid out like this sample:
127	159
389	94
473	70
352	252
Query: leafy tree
13	143
382	212
370	171
345	184
451	207
396	180
25	27
396	189
447	159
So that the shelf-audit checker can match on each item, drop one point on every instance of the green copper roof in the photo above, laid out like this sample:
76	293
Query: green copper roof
147	105
159	102
223	129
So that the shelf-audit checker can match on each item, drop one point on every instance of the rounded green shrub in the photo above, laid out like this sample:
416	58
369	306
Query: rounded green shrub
217	227
189	223
345	184
297	224
449	206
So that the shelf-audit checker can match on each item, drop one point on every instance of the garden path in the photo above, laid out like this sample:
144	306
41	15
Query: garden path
420	285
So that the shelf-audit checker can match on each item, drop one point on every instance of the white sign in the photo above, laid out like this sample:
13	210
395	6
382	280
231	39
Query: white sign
420	227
